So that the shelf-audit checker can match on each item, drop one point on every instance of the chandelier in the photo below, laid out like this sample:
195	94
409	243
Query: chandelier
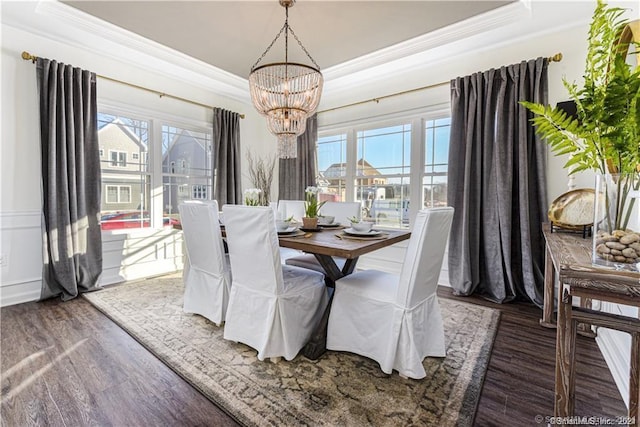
286	93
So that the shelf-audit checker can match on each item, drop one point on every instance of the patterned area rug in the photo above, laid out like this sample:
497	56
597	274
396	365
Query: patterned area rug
338	389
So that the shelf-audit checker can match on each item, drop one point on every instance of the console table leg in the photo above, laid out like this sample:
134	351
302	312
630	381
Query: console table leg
549	292
634	378
565	359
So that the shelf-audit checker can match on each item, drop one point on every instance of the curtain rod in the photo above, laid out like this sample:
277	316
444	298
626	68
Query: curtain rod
555	58
28	57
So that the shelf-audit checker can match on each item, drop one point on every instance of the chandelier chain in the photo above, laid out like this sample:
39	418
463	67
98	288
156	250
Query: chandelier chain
303	48
286	28
269	48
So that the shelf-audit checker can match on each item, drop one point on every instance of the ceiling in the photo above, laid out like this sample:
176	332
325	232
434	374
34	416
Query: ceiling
232	35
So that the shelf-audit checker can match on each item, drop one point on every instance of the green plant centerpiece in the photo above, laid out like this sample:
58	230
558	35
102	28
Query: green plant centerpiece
605	135
311	207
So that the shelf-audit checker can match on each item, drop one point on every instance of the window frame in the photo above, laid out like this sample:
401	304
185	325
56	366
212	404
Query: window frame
418	120
153	173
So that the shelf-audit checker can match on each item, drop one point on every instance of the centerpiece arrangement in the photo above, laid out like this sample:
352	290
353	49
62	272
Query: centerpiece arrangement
605	136
311	208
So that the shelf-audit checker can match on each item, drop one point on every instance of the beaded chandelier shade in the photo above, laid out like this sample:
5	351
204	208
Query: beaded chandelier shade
286	93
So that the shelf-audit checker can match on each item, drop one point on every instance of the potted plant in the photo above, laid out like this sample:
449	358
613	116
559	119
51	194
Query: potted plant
605	135
311	208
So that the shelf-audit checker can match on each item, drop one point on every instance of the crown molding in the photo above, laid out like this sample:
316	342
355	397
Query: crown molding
84	31
462	30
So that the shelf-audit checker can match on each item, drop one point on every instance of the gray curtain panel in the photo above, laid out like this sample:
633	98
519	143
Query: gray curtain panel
227	183
295	175
497	184
71	182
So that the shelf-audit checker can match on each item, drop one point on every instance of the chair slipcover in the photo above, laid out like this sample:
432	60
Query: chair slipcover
395	320
291	208
273	308
207	276
342	211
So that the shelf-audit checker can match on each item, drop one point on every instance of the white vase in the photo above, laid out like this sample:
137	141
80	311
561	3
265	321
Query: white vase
616	234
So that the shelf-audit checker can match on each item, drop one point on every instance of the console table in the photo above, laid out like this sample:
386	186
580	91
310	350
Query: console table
570	257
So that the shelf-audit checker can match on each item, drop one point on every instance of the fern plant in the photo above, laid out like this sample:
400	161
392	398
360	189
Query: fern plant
605	136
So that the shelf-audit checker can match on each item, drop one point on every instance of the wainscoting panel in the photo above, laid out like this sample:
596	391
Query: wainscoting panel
21	252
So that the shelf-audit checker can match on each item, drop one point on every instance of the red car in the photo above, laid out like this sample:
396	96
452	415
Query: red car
134	219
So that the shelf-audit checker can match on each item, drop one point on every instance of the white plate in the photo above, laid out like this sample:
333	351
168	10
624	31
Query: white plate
362	233
288	230
333	224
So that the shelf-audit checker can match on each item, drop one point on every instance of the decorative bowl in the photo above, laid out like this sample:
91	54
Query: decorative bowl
363	226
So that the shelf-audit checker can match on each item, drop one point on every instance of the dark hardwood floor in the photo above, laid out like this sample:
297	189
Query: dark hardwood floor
66	364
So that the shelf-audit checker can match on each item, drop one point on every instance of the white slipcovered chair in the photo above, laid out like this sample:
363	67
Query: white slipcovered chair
286	209
207	275
395	320
342	211
291	208
273	308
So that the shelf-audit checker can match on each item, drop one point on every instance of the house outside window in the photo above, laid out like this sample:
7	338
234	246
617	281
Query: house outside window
393	168
145	153
186	164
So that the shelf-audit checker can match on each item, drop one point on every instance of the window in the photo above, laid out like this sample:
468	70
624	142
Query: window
199	192
393	169
118	159
434	181
382	174
150	169
118	194
186	164
332	167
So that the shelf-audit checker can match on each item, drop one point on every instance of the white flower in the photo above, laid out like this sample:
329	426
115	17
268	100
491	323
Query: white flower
252	196
312	190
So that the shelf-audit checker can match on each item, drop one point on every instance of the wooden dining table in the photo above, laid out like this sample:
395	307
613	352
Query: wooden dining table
325	245
333	242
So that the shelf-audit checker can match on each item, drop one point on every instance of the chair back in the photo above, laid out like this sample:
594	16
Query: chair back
202	236
291	208
342	211
423	259
253	247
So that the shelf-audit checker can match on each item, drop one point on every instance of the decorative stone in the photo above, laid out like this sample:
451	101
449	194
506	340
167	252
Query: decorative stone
616	252
603	249
620	258
635	246
629	253
618	233
629	238
616	245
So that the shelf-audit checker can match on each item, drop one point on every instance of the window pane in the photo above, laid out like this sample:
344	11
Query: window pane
186	167
120	135
382	174
125	203
332	167
125	183
434	182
